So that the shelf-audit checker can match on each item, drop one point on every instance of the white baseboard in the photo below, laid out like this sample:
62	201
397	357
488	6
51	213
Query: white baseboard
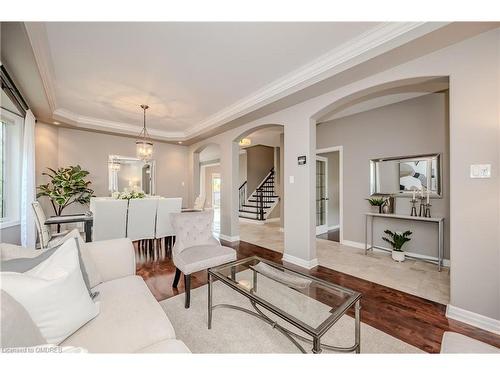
334	227
472	318
359	245
300	262
229	238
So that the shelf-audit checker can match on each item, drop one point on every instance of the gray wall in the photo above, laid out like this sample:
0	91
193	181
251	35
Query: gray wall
11	235
242	168
415	126
260	160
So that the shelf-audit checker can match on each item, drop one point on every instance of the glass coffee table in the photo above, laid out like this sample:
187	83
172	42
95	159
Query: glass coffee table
279	294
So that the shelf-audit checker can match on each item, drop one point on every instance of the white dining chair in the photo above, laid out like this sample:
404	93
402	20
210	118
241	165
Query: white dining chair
164	228
46	237
110	218
141	223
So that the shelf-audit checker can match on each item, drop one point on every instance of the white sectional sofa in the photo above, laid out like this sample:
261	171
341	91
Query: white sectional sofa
130	320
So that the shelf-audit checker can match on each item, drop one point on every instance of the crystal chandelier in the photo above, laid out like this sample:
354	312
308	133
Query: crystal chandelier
144	145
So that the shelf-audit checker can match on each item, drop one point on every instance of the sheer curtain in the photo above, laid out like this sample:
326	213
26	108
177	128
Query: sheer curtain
28	192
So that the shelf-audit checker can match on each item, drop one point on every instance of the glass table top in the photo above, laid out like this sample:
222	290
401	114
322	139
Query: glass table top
308	301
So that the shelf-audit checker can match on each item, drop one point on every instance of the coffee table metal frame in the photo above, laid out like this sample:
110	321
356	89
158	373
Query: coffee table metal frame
256	301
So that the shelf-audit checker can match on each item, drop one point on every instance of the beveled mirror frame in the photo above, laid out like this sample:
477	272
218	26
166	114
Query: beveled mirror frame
428	157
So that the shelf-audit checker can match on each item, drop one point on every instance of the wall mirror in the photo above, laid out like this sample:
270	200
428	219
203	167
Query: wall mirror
401	176
128	173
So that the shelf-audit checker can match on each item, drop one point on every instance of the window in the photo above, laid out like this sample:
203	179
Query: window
10	168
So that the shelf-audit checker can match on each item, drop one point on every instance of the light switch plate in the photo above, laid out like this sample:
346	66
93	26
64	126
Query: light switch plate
480	171
291	179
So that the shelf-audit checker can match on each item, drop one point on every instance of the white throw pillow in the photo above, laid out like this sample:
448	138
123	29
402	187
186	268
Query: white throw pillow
54	294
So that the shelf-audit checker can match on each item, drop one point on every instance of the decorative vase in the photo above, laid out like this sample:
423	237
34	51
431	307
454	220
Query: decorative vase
398	256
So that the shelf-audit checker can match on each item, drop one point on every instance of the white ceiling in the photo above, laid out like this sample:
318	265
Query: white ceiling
186	72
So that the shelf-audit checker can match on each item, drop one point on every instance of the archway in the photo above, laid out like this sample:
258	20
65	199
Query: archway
259	166
414	113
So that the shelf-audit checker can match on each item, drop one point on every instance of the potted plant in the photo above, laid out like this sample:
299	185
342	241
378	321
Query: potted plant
377	202
66	186
397	240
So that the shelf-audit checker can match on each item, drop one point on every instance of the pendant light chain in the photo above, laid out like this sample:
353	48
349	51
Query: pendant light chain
144	145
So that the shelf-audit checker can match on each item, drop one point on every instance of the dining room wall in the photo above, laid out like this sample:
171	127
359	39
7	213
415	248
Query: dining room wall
58	146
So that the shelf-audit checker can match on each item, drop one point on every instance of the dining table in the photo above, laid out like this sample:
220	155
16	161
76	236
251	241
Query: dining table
86	219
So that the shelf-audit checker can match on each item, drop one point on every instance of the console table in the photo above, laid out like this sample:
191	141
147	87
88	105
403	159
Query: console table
437	220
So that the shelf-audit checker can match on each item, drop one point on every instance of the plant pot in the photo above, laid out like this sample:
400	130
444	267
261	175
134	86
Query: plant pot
398	256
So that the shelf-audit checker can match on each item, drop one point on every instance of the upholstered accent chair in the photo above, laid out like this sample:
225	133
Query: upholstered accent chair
196	248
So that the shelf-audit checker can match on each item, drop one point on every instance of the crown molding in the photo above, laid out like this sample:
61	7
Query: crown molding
87	122
37	35
375	41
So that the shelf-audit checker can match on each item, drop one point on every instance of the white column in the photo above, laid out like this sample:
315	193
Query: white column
229	191
300	194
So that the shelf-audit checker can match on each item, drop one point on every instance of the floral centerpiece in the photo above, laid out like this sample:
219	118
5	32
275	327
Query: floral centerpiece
128	194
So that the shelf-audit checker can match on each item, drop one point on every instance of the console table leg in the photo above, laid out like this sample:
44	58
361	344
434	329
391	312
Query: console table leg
371	234
209	301
440	246
366	234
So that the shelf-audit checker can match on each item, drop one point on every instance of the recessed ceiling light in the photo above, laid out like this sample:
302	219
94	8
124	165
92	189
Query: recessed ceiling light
179	142
56	123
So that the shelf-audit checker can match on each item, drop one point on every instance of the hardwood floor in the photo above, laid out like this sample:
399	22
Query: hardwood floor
412	319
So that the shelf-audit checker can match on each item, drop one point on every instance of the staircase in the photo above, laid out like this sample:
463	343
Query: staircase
261	202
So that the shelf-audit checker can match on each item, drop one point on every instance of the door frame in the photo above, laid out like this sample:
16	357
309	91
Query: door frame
320	229
201	182
214	176
340	150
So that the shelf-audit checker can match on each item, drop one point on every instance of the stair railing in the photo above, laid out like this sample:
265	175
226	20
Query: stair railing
260	203
265	191
242	193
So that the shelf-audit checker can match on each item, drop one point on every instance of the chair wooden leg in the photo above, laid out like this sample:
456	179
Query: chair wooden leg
187	286
176	277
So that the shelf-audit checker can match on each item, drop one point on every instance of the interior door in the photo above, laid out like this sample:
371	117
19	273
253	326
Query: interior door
321	195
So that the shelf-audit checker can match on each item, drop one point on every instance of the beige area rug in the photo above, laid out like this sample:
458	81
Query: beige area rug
237	332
